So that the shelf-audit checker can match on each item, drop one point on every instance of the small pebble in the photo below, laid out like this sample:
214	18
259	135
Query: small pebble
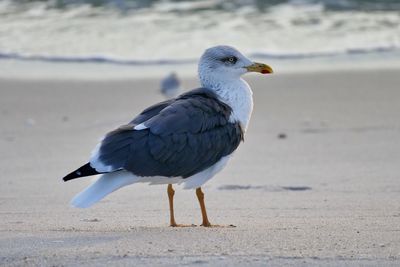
282	136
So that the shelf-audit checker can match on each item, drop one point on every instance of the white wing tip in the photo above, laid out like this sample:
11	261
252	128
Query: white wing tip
140	127
95	161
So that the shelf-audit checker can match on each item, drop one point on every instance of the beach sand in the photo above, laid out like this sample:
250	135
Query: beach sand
316	182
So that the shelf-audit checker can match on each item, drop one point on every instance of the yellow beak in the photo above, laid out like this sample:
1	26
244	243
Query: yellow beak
259	67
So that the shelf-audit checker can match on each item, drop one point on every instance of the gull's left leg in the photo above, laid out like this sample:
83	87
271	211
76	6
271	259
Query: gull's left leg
206	222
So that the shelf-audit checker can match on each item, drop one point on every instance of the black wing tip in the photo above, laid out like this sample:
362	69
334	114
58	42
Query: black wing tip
85	170
68	177
71	176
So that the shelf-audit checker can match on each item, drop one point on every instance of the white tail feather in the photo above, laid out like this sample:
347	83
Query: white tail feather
106	184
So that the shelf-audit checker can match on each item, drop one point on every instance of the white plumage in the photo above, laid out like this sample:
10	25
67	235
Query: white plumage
106	184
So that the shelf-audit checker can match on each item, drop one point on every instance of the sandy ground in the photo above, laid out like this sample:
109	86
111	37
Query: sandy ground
326	193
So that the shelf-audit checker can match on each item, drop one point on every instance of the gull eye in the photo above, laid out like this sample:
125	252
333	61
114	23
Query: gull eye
231	60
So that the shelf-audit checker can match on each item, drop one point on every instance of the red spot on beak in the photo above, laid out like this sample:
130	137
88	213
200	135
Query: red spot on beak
265	71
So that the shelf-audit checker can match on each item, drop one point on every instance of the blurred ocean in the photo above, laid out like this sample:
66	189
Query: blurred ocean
138	32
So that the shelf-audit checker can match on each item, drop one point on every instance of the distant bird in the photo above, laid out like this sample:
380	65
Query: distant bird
186	140
170	86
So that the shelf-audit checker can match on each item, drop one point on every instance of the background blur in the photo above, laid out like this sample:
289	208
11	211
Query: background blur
162	32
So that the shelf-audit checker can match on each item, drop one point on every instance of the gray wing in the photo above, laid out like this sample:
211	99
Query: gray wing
151	112
188	135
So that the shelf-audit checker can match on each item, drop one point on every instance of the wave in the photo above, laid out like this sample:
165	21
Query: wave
176	32
347	52
92	59
159	62
201	5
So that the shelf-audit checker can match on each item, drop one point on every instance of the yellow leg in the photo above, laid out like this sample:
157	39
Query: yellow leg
200	197
171	193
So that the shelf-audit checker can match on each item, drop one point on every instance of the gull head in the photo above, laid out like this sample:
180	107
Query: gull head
221	64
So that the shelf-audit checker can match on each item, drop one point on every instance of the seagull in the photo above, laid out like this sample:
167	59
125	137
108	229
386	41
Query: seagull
170	86
185	140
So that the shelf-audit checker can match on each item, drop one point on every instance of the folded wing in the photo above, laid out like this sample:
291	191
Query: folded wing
178	138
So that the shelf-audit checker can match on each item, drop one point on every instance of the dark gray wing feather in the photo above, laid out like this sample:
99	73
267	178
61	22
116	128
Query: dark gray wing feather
184	136
150	112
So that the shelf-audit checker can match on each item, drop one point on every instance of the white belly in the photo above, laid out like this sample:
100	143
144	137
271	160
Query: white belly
191	182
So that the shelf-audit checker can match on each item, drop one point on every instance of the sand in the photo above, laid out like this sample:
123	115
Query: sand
316	182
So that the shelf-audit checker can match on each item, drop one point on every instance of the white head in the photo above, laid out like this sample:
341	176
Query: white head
221	64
